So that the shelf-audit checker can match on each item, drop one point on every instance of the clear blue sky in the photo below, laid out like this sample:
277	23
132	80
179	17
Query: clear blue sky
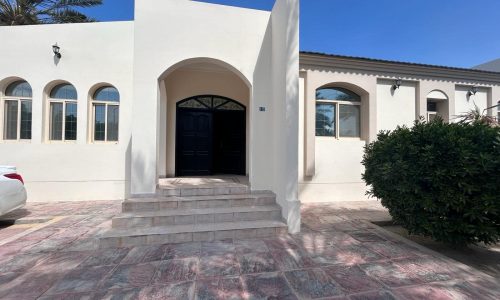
461	33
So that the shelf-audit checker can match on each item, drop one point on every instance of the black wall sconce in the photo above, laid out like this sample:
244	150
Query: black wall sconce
56	49
397	84
473	90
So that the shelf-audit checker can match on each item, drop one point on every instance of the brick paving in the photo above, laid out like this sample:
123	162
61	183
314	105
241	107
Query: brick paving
338	255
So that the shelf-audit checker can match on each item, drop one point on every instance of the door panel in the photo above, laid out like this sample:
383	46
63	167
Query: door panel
229	142
194	143
210	138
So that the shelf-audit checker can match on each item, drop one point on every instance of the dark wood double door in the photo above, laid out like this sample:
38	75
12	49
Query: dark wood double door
210	137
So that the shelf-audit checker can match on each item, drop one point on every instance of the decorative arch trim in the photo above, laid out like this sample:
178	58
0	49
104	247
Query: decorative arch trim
211	102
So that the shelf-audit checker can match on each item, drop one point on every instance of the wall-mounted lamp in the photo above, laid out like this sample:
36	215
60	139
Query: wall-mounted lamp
56	49
397	84
473	90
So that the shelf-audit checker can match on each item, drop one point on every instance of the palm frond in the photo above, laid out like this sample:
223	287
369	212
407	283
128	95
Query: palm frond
25	12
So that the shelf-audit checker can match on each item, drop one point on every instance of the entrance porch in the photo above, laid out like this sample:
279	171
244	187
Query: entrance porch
191	209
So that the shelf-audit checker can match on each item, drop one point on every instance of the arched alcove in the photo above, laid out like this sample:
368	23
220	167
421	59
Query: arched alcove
437	105
195	78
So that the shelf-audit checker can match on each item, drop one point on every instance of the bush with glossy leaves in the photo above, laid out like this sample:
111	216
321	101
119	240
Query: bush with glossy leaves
439	180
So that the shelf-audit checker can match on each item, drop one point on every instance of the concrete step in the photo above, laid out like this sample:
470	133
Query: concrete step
188	233
156	203
197	216
202	189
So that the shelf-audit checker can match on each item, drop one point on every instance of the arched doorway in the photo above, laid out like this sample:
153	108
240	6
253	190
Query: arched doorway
210	136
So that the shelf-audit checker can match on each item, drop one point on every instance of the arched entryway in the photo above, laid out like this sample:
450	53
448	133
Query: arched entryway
210	136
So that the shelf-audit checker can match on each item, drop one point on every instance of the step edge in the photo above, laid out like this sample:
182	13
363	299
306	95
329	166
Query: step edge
198	211
184	228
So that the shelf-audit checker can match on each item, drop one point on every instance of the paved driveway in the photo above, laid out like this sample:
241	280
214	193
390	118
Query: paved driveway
338	255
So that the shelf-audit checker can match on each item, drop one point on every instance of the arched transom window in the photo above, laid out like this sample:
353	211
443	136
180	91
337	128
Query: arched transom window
63	113
17	111
337	113
105	114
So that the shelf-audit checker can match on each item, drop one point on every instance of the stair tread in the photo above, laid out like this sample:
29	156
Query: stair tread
159	230
201	198
199	211
202	186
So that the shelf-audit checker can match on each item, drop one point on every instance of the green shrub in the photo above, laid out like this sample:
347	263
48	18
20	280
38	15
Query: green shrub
439	180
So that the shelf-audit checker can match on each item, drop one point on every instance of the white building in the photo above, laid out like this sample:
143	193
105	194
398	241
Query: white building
128	103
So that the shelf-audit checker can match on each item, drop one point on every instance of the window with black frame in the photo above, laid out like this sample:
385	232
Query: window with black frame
338	112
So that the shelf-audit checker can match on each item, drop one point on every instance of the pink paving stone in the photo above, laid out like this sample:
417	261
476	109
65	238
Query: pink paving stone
290	259
283	243
60	261
135	255
7	250
118	294
218	265
312	284
217	248
389	250
80	280
71	233
176	270
72	296
51	245
30	285
346	226
331	246
21	262
6	278
129	276
257	263
174	291
267	286
366	236
444	291
390	274
375	295
219	288
431	269
250	246
349	256
39	235
186	250
154	253
10	231
103	257
352	279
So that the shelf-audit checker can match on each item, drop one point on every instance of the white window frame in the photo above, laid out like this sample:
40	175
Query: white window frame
429	113
63	102
106	104
337	104
3	120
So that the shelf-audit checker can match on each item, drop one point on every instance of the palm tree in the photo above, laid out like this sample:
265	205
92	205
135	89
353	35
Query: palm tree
30	12
476	116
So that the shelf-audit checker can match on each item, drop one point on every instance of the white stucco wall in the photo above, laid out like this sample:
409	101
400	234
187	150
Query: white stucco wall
395	107
330	169
91	54
285	108
190	30
464	102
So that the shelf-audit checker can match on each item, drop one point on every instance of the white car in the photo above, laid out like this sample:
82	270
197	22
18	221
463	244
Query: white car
12	191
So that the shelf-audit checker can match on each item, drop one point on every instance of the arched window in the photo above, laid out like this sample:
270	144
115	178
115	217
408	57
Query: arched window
105	114
337	113
17	111
437	105
63	113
